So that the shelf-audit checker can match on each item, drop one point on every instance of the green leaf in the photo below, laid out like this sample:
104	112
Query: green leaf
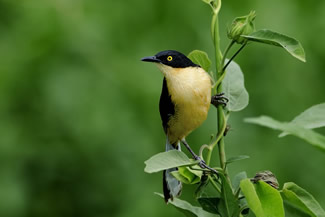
251	196
291	45
237	179
228	205
187	175
308	135
234	88
314	117
237	158
293	211
180	177
271	200
167	160
209	204
301	199
263	200
201	58
187	209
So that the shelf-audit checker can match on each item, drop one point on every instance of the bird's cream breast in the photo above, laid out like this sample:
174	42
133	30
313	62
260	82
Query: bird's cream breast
190	90
186	84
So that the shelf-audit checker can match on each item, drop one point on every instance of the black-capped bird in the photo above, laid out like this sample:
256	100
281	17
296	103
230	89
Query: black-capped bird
184	104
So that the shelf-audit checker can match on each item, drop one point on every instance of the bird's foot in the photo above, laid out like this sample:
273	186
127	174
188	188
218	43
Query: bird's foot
219	99
203	165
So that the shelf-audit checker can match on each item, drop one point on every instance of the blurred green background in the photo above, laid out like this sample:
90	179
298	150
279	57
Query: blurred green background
79	110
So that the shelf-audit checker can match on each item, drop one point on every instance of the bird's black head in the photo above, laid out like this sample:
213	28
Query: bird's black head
171	58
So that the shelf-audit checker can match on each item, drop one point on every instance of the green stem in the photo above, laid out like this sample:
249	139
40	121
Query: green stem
202	149
221	144
223	71
216	42
214	184
226	51
212	145
218	89
216	84
207	161
220	134
233	57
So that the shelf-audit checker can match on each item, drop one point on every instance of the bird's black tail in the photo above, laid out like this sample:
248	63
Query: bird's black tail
171	186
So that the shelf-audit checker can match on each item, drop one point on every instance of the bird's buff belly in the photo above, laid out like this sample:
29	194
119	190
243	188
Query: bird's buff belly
186	120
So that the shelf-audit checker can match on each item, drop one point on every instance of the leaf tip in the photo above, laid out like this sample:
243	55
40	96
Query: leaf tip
146	168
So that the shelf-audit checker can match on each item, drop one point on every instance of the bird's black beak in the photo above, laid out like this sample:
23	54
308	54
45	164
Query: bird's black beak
150	59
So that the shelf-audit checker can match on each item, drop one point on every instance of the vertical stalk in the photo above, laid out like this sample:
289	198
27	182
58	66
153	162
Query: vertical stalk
219	66
221	143
216	42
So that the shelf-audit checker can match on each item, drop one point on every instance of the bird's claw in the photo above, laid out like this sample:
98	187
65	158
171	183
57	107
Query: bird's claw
203	165
219	99
201	162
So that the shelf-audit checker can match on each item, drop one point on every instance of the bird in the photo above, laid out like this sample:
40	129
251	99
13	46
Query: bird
184	104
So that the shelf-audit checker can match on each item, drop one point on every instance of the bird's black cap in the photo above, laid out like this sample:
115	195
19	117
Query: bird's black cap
171	58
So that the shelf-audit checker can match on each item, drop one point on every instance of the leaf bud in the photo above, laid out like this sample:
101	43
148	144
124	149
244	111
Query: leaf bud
242	26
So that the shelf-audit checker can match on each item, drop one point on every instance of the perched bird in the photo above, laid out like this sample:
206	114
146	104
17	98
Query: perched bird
184	104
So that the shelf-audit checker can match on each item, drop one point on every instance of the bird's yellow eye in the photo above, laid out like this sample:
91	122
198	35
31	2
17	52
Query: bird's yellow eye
169	58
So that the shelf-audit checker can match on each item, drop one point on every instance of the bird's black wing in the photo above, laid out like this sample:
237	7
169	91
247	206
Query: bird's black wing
166	106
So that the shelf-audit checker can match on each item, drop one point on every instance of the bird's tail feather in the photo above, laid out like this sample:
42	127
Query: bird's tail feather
171	186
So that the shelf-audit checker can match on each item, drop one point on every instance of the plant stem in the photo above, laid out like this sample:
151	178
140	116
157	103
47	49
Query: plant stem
223	71
226	52
222	76
213	144
221	119
233	57
214	184
220	134
216	40
221	144
201	152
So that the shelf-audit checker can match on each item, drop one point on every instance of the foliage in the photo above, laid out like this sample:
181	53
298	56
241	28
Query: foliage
308	135
187	209
263	199
167	160
273	38
234	88
312	118
201	58
259	195
301	199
